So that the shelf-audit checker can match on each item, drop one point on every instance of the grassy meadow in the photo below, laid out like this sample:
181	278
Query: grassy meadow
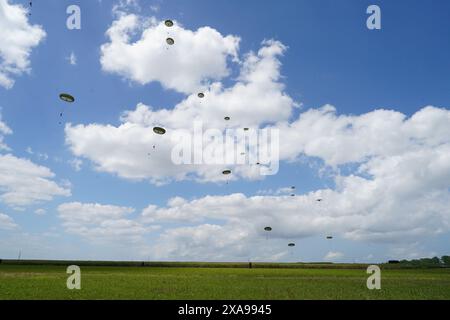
227	281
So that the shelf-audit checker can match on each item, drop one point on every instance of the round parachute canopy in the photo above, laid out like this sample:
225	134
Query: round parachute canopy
168	23
268	229
245	129
66	97
329	237
318	200
291	245
227	118
159	130
292	195
170	41
201	95
225	172
293	187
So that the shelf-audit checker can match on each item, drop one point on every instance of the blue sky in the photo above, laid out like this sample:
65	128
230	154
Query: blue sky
329	57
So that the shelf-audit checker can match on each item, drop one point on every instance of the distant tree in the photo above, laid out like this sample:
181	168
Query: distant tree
446	260
435	261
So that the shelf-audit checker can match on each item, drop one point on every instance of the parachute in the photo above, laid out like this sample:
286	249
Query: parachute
329	237
168	23
201	95
66	97
245	129
268	229
226	172
159	130
291	245
170	41
227	118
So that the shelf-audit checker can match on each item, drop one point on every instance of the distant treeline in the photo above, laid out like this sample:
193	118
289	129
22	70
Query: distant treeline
392	264
444	261
156	264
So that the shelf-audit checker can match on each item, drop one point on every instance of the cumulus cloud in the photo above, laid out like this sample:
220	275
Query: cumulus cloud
359	211
204	242
98	222
6	222
17	39
24	183
197	56
131	150
347	139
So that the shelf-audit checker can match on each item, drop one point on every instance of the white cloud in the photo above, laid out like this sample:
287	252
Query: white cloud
101	222
359	210
127	150
39	155
155	8
6	222
40	212
196	57
347	139
204	242
24	183
17	38
4	130
122	6
333	256
76	164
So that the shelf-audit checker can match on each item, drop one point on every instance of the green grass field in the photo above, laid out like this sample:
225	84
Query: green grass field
114	282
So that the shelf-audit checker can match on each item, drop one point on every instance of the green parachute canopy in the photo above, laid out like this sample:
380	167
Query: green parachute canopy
159	130
66	97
